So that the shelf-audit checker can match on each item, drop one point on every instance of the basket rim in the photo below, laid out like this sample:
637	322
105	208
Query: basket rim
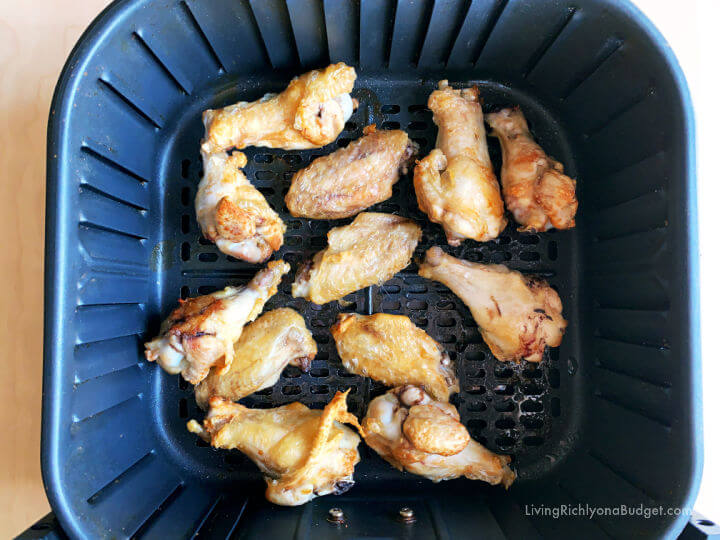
57	222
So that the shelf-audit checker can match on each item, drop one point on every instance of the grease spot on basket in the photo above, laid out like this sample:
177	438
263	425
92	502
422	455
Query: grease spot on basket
161	255
370	108
572	365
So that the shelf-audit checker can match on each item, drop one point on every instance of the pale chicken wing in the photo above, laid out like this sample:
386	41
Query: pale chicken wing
353	178
200	333
392	350
311	112
372	249
265	348
302	453
536	191
518	315
232	213
455	184
425	437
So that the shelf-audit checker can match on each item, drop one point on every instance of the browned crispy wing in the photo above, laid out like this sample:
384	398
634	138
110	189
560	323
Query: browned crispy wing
200	333
518	315
455	184
392	350
266	346
353	178
536	191
233	213
425	437
311	112
302	453
370	250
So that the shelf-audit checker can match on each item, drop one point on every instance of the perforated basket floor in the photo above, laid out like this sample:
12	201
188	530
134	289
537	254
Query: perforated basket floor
594	422
513	409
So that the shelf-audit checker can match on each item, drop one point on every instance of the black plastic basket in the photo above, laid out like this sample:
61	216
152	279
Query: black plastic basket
610	418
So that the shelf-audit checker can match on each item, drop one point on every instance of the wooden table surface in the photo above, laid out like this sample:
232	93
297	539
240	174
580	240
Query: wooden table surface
35	39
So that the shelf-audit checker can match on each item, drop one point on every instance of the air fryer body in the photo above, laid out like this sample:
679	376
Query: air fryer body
610	418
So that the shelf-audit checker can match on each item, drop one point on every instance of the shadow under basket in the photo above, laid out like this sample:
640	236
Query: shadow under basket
609	419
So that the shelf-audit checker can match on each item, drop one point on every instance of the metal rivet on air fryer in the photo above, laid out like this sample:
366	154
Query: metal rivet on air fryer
406	515
336	516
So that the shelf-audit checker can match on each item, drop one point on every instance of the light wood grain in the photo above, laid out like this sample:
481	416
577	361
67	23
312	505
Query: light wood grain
35	40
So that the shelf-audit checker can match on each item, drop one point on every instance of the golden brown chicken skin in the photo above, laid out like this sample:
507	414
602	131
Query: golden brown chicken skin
200	333
302	453
372	249
310	113
518	316
455	184
353	178
265	348
232	213
536	191
392	350
425	437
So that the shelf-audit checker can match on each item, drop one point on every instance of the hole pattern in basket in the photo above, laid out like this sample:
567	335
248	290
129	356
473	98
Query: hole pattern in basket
508	407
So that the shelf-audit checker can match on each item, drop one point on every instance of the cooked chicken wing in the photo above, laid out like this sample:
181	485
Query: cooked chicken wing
536	191
200	333
302	453
233	214
353	178
517	315
276	339
372	249
392	350
425	437
311	112
455	184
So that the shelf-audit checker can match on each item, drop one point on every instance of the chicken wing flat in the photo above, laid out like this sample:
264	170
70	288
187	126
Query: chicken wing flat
372	249
302	453
265	348
425	437
455	184
392	350
311	112
353	178
536	191
233	214
518	315
200	333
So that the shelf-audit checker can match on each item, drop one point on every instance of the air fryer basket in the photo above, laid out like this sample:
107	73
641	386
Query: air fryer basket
610	418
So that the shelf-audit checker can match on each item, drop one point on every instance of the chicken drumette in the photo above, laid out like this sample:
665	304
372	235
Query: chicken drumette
425	437
536	191
311	112
353	178
232	213
517	315
267	345
200	333
372	249
392	350
302	453
455	184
